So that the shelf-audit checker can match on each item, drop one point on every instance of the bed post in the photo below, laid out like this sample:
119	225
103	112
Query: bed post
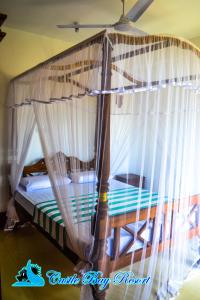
101	224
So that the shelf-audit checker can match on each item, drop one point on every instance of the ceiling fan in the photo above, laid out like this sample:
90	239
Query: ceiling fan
125	21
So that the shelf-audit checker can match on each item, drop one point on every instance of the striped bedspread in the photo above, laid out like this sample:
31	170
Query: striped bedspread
120	201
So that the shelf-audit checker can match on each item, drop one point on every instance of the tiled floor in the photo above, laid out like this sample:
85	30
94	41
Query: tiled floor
27	243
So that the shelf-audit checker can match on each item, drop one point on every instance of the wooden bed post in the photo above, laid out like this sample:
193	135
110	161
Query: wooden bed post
101	224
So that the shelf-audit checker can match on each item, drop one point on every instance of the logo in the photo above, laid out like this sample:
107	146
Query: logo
29	276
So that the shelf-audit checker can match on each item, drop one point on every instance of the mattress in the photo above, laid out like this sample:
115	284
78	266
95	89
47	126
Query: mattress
122	198
28	200
42	195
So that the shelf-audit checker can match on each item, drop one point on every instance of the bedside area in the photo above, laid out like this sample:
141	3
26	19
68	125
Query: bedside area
130	178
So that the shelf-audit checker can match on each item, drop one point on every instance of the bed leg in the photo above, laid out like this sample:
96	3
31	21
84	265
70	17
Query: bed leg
100	259
98	294
22	214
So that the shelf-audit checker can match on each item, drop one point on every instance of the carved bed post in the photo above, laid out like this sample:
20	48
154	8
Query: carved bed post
101	224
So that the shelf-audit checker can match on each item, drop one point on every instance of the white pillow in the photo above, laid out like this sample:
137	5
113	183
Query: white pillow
83	177
32	183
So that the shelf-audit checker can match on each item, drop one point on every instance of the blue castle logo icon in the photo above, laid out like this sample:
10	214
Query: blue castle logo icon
29	276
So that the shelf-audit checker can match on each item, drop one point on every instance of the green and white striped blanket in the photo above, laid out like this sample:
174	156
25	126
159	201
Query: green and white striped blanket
120	201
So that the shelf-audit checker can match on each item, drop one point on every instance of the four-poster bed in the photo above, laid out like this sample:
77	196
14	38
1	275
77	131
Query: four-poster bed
106	220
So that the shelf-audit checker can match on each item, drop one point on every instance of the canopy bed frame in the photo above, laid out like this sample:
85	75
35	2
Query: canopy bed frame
102	222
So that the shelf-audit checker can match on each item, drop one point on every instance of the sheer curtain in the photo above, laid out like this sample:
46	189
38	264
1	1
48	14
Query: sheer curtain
166	154
69	128
154	134
21	127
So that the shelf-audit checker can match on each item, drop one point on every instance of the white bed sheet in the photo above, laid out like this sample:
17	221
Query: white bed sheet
28	200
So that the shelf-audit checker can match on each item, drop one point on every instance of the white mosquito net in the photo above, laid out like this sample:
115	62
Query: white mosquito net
120	116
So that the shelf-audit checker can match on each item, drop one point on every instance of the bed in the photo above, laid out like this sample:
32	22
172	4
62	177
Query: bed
126	236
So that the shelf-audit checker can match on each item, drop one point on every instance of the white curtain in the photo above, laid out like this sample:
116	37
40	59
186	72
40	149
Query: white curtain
69	128
154	134
162	146
21	127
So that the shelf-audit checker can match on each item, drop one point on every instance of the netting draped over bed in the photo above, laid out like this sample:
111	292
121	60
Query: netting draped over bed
123	112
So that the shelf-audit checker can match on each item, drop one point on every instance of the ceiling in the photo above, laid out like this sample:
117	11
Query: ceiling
176	17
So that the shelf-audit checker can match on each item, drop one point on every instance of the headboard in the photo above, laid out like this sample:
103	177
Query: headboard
71	162
38	167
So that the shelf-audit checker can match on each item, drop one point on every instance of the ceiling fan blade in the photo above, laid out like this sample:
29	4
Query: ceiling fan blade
85	26
138	9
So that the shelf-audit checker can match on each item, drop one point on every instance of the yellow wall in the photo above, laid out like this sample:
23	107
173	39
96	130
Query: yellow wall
19	51
196	41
